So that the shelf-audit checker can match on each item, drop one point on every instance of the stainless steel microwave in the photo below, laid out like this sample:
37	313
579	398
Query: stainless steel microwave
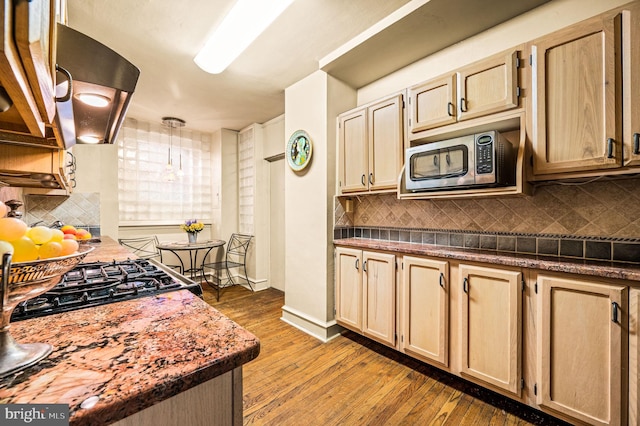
482	159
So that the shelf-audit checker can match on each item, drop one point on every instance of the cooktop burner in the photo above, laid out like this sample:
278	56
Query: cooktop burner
98	283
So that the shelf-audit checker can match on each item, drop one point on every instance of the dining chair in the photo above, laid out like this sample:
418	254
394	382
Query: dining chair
235	258
145	248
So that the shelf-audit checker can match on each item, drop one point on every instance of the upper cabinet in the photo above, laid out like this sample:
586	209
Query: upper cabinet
27	72
479	89
631	84
576	102
371	141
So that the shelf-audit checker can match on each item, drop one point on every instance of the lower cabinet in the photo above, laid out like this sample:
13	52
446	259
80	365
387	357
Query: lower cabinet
565	344
634	356
425	309
581	349
491	326
366	293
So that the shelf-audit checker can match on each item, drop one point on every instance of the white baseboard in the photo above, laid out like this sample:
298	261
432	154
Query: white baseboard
321	330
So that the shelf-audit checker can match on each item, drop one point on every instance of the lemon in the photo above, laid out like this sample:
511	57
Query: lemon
49	250
40	234
24	250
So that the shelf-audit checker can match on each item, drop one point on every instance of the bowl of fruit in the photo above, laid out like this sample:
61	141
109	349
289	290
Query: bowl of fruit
33	261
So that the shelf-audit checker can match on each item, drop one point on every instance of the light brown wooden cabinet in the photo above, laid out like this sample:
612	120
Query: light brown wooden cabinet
482	88
366	293
27	69
34	167
491	326
371	143
634	356
581	349
631	84
576	102
425	309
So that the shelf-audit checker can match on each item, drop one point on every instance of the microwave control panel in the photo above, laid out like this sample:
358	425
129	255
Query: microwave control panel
484	154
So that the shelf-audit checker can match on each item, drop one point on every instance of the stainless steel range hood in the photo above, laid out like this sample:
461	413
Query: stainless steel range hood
97	70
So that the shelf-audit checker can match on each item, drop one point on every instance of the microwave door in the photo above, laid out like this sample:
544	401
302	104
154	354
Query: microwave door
425	166
454	166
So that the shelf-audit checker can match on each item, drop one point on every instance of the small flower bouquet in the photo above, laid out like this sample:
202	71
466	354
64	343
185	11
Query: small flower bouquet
192	226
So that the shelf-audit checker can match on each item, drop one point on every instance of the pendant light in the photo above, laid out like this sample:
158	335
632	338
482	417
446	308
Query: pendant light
172	123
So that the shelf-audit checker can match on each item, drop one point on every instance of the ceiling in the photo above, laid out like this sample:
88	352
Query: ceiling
344	38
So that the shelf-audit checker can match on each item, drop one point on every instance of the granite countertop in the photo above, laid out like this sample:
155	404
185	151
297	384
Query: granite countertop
126	356
546	263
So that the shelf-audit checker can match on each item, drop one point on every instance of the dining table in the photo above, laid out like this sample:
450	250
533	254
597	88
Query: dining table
198	252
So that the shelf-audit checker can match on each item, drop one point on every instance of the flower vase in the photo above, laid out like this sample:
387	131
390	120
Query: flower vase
193	237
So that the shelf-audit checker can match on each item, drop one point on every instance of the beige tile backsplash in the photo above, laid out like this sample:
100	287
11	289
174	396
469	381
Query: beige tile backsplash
608	208
77	209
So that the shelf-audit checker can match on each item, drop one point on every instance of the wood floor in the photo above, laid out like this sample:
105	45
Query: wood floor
298	380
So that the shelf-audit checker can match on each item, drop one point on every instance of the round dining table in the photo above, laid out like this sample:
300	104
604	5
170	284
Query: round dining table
197	251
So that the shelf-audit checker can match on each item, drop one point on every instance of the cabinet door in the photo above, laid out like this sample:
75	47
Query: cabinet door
492	326
631	82
634	356
386	145
425	307
576	98
432	103
23	116
379	292
580	349
353	155
349	288
34	34
488	86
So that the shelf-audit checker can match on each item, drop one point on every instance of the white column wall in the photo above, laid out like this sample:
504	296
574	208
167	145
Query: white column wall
311	105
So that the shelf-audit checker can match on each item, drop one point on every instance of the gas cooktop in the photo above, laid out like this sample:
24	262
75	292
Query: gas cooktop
98	283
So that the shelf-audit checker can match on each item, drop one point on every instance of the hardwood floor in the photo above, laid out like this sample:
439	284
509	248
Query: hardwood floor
350	380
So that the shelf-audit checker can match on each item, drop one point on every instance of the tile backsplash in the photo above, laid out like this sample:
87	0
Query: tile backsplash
595	220
602	209
78	209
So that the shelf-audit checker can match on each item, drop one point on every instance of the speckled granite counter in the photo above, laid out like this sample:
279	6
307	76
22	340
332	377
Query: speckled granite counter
557	264
130	354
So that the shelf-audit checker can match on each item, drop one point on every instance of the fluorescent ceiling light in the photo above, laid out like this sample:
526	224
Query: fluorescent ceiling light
244	23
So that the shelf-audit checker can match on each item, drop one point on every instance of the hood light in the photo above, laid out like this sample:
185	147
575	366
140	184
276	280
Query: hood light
93	99
89	139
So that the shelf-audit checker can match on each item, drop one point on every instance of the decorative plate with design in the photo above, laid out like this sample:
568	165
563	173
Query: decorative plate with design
299	150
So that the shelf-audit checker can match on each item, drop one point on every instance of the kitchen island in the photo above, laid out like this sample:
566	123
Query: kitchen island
163	360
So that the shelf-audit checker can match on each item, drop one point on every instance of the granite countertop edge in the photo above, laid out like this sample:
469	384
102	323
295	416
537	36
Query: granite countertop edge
127	356
615	270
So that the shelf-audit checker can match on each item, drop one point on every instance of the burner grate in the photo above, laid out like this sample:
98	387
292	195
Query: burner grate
97	283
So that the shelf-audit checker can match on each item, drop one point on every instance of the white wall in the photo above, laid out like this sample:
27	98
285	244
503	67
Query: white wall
97	171
310	105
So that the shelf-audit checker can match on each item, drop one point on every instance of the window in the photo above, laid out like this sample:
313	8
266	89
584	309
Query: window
245	181
143	154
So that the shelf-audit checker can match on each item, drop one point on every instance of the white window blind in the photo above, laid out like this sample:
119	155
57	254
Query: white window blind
246	177
144	195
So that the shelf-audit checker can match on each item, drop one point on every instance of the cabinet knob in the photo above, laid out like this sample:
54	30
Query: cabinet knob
610	146
463	105
450	109
614	311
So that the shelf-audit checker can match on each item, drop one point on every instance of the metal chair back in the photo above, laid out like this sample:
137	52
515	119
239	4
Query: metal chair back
143	247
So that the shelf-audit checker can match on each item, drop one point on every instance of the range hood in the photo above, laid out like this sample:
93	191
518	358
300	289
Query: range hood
95	70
